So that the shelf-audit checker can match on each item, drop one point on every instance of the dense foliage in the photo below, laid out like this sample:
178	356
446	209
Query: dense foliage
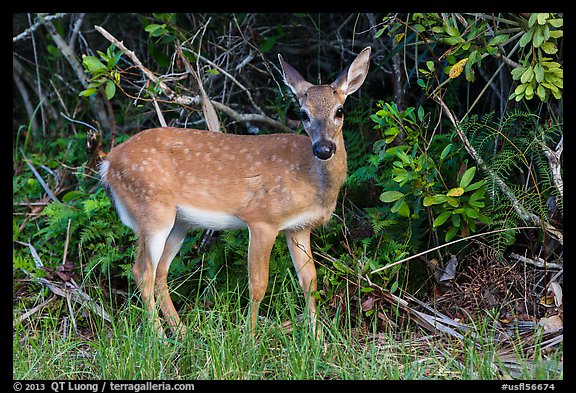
457	131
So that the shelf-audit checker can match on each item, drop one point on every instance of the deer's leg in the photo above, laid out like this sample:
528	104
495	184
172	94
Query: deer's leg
262	238
145	276
301	253
151	243
171	248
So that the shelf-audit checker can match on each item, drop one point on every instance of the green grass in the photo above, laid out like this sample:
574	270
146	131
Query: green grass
217	346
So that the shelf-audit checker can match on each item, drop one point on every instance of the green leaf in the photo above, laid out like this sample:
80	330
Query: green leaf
72	195
452	201
527	75
88	92
467	177
539	72
442	218
340	266
446	151
538	38
156	30
404	157
456	220
549	47
498	40
396	206
527	37
450	234
452	31
434	200
517	72
451	40
559	22
532	19
542	18
391	196
110	89
472	213
380	32
475	186
94	65
420	113
541	92
404	209
267	44
455	192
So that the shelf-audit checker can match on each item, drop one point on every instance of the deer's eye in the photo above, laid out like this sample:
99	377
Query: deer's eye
304	115
339	112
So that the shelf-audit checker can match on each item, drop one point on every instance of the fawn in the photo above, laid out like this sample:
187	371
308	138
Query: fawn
165	181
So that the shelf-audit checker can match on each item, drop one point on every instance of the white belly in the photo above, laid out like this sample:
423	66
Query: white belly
206	219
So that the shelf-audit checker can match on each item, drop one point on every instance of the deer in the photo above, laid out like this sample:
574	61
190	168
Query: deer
166	181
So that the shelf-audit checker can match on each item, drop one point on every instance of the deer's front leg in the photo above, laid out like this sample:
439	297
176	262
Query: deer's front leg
299	246
262	238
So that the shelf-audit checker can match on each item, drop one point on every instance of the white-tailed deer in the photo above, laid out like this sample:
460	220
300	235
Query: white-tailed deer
164	181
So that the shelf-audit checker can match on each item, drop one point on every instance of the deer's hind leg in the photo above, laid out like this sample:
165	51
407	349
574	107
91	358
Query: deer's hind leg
172	246
151	248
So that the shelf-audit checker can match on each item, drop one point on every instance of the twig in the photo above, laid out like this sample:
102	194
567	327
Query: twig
38	84
445	245
209	113
37	261
72	290
78	121
159	112
66	242
34	310
538	262
65	289
39	178
16	71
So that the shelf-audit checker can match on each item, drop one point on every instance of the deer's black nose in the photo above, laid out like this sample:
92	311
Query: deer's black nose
324	150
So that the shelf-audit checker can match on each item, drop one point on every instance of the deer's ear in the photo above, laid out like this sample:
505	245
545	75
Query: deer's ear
352	77
293	79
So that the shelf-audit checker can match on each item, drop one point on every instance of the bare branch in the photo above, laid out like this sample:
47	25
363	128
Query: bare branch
555	164
187	100
28	32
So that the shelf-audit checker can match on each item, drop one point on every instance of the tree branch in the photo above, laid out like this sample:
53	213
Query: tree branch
28	32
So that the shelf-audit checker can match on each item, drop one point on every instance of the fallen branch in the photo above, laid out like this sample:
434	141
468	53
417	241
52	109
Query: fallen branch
67	289
32	311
